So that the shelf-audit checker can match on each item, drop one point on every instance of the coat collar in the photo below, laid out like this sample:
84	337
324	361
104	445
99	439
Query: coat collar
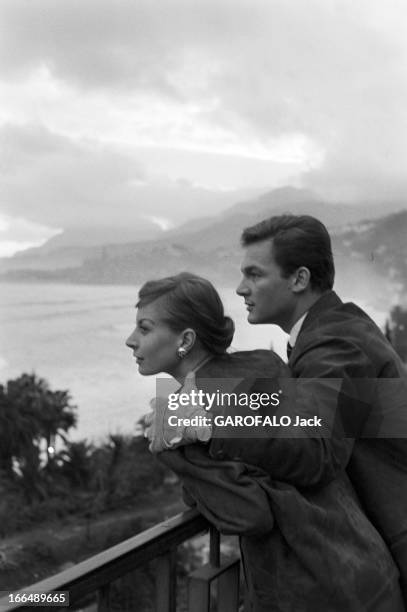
325	302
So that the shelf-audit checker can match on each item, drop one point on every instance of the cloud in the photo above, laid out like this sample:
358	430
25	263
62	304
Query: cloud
313	88
56	181
97	43
162	222
17	234
274	54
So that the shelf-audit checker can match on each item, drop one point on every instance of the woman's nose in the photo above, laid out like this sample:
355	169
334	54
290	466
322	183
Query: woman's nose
131	341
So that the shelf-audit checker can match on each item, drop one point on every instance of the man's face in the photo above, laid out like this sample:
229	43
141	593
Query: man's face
268	296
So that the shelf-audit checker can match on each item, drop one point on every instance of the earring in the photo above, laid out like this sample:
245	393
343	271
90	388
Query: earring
181	352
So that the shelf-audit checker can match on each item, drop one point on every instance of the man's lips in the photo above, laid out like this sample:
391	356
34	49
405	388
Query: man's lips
249	305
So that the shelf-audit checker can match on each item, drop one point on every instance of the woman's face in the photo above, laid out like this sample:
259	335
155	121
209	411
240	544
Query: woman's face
153	342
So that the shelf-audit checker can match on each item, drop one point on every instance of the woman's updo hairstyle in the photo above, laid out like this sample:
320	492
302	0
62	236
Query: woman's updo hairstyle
191	301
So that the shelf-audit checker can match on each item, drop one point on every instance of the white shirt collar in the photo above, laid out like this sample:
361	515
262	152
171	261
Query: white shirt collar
295	330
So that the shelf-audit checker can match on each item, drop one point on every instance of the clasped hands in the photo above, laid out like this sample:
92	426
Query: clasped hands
162	435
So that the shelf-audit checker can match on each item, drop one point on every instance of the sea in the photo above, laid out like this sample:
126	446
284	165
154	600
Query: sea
74	337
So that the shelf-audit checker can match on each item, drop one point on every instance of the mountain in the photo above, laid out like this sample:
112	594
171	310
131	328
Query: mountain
305	202
73	246
85	237
370	255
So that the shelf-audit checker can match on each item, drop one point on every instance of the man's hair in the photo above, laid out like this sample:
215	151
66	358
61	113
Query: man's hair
298	240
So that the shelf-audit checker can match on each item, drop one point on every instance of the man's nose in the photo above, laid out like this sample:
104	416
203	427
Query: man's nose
242	289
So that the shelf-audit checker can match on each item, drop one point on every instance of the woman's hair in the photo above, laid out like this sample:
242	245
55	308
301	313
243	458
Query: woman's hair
192	301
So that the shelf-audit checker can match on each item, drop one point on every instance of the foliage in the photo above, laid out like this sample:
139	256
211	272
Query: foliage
80	479
70	489
31	417
73	463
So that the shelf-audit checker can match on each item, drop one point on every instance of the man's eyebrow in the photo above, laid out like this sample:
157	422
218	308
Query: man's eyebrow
251	268
145	320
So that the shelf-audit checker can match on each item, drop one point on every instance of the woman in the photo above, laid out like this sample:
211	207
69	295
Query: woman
302	551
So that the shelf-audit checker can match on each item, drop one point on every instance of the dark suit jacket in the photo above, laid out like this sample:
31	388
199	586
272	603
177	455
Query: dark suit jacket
302	550
339	341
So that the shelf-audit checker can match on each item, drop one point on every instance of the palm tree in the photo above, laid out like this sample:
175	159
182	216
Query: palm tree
31	413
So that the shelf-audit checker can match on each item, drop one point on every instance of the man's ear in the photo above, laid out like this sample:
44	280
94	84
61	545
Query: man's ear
187	339
300	280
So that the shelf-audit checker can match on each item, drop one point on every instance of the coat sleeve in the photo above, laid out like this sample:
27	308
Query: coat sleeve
228	493
333	385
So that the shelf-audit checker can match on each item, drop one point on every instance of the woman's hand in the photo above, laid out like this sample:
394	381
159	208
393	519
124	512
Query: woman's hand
167	429
161	434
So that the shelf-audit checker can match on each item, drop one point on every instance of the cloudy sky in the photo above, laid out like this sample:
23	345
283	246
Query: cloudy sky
139	113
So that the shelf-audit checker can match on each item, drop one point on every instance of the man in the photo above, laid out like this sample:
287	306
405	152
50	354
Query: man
288	275
349	375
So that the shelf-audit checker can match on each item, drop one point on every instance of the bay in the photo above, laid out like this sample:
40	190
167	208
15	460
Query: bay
74	337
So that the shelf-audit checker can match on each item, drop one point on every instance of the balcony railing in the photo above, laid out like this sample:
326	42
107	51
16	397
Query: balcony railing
96	574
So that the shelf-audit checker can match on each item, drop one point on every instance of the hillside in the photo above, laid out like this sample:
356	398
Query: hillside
372	257
366	252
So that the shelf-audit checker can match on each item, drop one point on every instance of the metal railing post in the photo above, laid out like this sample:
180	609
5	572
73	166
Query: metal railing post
165	583
226	574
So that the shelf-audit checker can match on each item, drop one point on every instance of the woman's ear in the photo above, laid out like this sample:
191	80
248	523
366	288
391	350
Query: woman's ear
188	339
301	279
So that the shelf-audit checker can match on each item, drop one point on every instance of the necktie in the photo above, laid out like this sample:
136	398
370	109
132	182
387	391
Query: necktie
289	350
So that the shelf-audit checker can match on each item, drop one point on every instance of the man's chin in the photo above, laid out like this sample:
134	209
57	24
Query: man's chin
252	319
